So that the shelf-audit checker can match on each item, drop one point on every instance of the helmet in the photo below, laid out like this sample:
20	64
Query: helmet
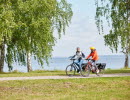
92	48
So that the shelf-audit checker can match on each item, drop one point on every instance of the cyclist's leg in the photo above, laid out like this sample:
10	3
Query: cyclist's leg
80	64
96	68
94	64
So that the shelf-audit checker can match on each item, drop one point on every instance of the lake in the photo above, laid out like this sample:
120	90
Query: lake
60	63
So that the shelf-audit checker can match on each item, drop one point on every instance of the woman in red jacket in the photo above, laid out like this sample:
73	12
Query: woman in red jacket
94	57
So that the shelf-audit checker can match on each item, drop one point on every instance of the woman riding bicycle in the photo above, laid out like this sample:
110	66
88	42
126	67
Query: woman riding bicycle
79	56
94	57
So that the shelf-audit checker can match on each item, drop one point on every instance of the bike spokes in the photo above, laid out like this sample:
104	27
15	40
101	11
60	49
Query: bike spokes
85	70
70	70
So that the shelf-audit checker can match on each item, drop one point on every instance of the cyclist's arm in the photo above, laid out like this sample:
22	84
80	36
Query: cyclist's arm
83	55
88	56
73	56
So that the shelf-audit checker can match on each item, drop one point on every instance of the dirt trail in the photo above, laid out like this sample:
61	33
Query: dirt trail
62	77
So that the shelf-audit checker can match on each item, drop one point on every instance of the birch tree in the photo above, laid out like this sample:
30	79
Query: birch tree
35	22
117	14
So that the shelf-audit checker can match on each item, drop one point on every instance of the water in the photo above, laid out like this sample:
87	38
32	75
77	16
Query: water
60	63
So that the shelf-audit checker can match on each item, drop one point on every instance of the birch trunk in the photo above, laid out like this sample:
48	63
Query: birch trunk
126	65
2	56
29	67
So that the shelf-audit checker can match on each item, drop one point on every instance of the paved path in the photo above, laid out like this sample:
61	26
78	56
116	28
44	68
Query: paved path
62	77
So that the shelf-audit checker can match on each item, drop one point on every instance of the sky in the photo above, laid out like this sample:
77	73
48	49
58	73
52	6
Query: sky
82	32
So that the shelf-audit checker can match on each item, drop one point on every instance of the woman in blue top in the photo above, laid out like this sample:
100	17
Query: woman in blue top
79	56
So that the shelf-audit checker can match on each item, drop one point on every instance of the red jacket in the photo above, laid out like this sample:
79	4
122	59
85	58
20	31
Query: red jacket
94	55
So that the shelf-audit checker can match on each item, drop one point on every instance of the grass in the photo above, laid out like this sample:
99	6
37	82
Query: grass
33	73
110	71
53	73
67	89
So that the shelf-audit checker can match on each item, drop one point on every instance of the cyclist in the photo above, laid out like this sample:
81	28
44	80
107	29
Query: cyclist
79	57
94	57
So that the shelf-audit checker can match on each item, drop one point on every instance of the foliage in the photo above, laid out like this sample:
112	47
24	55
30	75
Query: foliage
117	13
28	26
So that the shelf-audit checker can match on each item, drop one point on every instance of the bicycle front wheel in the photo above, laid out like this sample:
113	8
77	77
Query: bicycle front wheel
85	71
70	70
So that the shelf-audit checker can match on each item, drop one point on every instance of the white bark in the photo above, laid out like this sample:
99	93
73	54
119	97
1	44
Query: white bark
29	66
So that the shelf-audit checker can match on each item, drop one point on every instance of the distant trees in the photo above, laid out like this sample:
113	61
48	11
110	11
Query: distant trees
117	13
27	28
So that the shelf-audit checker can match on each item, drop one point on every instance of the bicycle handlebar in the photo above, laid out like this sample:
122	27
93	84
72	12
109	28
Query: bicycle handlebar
88	59
83	59
72	59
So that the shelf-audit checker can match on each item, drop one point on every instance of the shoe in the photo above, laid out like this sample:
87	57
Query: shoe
77	70
97	71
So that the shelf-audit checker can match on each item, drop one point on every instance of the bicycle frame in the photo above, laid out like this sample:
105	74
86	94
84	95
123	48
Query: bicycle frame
91	65
76	65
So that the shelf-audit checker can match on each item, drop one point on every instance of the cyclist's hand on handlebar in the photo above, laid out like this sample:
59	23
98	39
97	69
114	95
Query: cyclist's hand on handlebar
88	59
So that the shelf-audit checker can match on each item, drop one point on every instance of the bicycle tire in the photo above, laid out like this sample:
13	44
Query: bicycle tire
85	71
70	70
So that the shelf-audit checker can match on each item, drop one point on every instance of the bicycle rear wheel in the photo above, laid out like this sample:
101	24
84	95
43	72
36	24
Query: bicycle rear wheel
85	71
70	70
101	72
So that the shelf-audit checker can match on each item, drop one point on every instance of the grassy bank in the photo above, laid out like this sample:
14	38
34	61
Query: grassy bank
110	71
67	89
54	73
33	73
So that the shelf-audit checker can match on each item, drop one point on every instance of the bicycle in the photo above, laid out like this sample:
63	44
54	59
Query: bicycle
88	67
72	68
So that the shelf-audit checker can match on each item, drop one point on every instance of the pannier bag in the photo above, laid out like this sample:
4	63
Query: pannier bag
84	65
101	65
